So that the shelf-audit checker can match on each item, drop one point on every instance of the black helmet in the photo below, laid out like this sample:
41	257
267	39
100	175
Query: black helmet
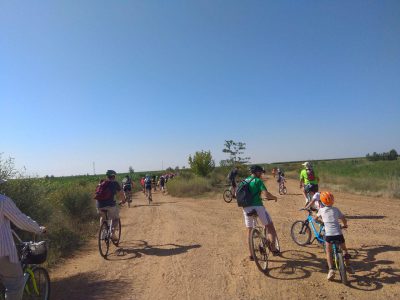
111	173
256	168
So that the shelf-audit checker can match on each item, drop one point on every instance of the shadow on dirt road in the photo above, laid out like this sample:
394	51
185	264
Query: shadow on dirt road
135	249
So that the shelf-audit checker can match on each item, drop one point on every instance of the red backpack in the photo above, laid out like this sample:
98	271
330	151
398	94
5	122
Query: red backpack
103	191
310	175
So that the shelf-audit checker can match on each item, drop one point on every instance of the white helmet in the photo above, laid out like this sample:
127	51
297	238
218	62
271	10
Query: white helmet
307	165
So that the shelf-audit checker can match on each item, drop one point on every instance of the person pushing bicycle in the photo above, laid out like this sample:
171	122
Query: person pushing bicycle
330	216
10	267
259	190
308	180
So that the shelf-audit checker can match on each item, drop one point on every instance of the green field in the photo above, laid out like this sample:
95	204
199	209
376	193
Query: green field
356	175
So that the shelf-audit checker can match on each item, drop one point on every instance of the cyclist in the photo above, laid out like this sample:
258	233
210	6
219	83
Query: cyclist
10	268
162	184
330	216
110	205
308	180
142	184
232	179
281	179
258	188
154	182
127	185
147	184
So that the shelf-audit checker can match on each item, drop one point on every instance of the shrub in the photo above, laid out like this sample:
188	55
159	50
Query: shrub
201	163
77	203
181	187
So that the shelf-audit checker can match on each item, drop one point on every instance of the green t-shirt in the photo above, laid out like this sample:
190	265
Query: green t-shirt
256	187
304	177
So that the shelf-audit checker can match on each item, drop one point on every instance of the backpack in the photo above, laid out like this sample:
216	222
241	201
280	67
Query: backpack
310	175
147	181
103	191
244	197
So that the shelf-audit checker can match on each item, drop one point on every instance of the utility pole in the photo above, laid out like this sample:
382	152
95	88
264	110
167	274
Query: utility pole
162	165
94	168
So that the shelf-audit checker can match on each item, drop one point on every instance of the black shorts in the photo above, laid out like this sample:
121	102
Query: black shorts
335	238
311	188
233	183
127	188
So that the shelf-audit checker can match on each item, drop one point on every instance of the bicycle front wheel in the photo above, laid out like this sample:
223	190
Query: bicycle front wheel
38	285
227	196
300	233
259	249
117	233
342	267
104	240
284	190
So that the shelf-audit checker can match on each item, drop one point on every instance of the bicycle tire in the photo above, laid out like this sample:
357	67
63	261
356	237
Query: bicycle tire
37	288
104	240
342	268
227	195
258	249
298	229
117	231
284	190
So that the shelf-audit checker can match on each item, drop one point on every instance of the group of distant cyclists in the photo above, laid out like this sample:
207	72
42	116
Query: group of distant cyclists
320	202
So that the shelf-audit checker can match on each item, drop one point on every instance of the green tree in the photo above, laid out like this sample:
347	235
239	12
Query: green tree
235	150
7	168
131	171
202	163
393	155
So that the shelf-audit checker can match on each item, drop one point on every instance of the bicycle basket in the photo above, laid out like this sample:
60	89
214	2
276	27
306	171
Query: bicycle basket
35	253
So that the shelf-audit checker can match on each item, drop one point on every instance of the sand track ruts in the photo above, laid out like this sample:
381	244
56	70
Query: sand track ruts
182	248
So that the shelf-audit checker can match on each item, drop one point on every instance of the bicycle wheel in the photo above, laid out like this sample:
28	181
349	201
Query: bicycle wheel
284	190
342	267
227	196
104	239
259	249
300	233
38	285
117	233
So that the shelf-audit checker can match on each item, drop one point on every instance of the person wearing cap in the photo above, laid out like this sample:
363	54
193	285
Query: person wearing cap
110	205
260	192
308	180
11	273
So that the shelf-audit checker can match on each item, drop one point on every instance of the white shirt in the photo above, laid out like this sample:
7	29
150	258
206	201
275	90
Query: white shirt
330	216
10	212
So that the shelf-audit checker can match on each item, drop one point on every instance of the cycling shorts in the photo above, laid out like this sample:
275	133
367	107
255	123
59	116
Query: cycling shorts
112	211
335	238
233	183
262	213
311	188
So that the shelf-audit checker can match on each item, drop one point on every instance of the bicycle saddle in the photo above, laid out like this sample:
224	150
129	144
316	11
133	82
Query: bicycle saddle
252	213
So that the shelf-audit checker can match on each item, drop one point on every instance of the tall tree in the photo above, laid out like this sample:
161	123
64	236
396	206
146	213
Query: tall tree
235	150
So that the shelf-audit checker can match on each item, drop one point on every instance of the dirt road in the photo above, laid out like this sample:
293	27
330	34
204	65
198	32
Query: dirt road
181	248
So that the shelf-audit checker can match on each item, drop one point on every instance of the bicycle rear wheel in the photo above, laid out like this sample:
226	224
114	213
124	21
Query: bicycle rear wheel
37	286
300	233
227	196
117	233
342	267
104	239
284	190
259	249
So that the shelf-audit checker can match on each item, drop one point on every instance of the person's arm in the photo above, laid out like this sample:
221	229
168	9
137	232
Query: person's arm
19	219
267	195
342	218
309	204
301	179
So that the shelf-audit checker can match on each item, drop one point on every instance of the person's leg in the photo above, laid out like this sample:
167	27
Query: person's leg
331	272
102	216
12	278
271	235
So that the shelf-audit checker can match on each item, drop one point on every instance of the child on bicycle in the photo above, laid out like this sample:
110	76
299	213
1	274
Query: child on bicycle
333	233
281	179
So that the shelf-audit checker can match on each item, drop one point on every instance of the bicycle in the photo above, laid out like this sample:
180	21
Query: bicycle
301	232
229	194
282	188
259	244
337	255
106	233
128	197
36	278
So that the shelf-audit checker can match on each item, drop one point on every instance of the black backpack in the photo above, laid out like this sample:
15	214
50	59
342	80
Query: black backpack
244	197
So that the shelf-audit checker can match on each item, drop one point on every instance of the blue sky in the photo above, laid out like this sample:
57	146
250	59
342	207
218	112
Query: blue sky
138	83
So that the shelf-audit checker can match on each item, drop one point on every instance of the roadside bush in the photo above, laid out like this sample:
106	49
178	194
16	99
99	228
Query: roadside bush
181	187
201	163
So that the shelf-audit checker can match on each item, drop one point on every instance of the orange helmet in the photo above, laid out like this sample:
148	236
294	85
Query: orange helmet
327	198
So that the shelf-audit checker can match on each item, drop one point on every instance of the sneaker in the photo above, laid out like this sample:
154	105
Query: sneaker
331	274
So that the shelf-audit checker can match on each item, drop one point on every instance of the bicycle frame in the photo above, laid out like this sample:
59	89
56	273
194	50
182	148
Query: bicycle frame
318	234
